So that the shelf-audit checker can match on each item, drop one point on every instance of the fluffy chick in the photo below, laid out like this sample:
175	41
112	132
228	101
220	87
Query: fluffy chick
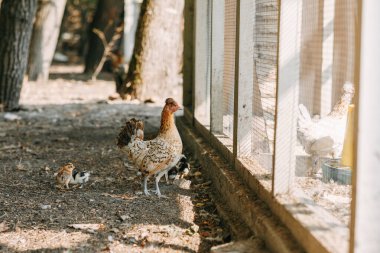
80	177
182	168
64	175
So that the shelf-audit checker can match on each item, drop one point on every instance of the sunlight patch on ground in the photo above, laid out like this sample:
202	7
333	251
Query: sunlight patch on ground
61	91
157	238
42	239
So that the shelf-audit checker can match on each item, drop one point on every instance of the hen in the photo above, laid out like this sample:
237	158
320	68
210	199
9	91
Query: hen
325	136
157	156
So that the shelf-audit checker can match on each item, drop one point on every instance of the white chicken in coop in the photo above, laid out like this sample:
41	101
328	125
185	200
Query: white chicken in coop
326	135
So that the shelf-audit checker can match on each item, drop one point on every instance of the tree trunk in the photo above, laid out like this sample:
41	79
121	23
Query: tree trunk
0	4
157	59
44	39
131	19
16	19
108	16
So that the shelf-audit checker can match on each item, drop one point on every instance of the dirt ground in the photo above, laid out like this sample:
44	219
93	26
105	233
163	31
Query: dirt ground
71	120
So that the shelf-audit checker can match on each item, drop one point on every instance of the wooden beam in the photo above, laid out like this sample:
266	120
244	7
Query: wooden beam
366	201
202	62
217	64
243	90
287	95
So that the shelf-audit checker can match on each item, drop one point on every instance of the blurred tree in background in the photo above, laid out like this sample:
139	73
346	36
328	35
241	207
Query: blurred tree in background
73	38
108	16
156	63
16	25
44	39
83	34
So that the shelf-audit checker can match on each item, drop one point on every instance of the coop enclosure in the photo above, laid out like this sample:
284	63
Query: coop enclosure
279	89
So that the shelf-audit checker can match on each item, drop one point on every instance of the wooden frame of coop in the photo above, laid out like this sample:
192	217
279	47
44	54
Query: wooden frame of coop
249	64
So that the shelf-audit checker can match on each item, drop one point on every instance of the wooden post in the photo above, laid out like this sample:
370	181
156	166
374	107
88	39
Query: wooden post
287	95
344	45
188	55
324	101
366	198
311	54
243	90
217	64
202	62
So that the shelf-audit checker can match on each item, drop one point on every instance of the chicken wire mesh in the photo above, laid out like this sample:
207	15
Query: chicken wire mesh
229	66
264	90
326	89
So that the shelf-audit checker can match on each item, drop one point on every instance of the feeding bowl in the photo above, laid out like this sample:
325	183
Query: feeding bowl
333	170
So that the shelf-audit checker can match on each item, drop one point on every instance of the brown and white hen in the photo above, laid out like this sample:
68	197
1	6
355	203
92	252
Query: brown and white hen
157	156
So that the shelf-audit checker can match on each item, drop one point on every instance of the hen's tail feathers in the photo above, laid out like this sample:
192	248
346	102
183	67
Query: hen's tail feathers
132	128
304	118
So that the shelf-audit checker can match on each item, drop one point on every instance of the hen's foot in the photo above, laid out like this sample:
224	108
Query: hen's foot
158	193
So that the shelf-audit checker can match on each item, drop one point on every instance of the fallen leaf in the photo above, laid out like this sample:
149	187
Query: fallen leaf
11	117
59	139
115	230
214	239
3	227
199	204
124	217
194	228
88	227
207	183
9	147
204	234
182	183
44	207
197	174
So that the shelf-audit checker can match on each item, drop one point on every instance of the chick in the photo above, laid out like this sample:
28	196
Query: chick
80	177
181	169
64	175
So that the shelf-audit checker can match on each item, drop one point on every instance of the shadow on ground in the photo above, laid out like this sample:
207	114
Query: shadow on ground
35	216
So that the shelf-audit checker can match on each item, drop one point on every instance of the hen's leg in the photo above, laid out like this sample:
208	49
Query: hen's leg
145	185
167	177
67	183
314	165
158	177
